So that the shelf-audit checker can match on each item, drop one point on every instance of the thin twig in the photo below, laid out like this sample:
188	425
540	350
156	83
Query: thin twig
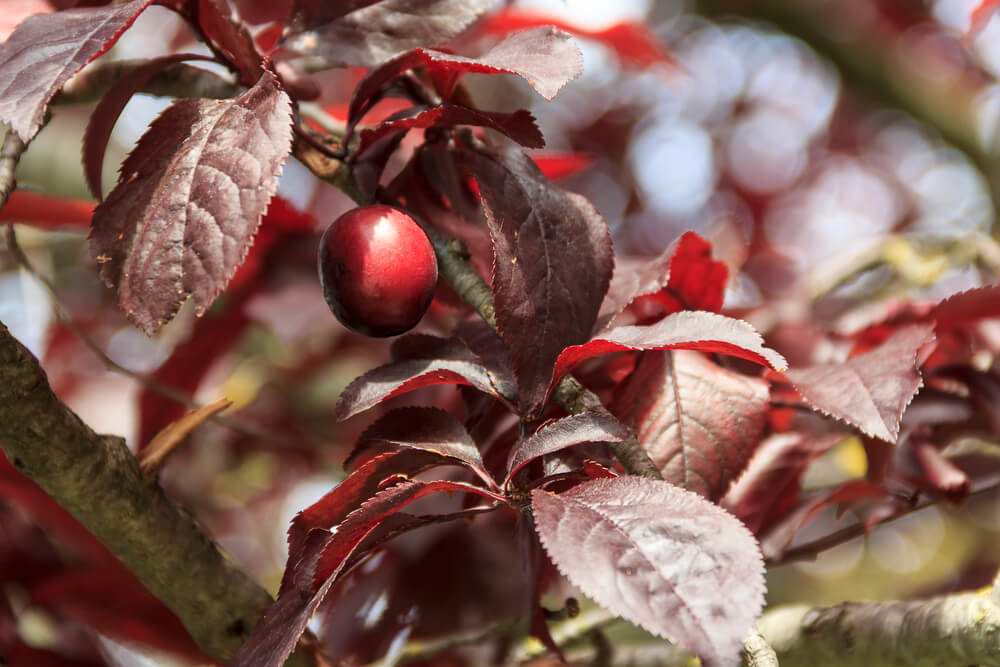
809	550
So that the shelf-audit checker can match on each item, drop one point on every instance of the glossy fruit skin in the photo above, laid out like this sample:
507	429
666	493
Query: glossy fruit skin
378	270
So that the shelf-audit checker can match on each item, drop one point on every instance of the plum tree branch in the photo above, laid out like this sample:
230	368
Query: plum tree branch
960	629
96	478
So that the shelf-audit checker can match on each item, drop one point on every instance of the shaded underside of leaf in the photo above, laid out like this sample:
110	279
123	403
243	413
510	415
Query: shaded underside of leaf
384	382
659	556
431	429
45	50
189	200
519	126
699	422
552	264
872	390
374	34
566	432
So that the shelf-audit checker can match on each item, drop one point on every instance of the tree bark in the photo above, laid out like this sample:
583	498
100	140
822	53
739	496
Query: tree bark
98	480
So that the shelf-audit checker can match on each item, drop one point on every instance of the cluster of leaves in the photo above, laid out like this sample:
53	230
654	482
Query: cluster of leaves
729	429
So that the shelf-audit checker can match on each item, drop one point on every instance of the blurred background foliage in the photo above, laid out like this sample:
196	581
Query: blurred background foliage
842	156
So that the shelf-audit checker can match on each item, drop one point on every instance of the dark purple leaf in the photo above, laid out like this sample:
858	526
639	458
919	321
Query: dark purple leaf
659	556
552	264
869	391
394	379
698	421
105	114
519	126
45	50
770	486
431	429
189	200
566	432
374	34
687	330
324	556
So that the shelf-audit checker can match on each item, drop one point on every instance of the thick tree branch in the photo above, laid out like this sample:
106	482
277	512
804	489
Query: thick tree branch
962	629
98	480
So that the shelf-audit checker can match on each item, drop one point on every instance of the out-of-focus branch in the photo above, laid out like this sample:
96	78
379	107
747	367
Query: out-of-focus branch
961	629
177	81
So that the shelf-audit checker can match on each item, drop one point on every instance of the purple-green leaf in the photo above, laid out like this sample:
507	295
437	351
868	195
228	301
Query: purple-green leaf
189	201
658	556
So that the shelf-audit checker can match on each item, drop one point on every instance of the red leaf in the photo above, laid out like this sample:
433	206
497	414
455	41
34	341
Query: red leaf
687	330
699	422
562	433
869	391
634	43
45	50
660	557
519	126
372	35
683	277
105	114
47	211
960	310
394	379
429	429
348	495
189	200
324	557
980	16
131	615
561	165
551	268
770	485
